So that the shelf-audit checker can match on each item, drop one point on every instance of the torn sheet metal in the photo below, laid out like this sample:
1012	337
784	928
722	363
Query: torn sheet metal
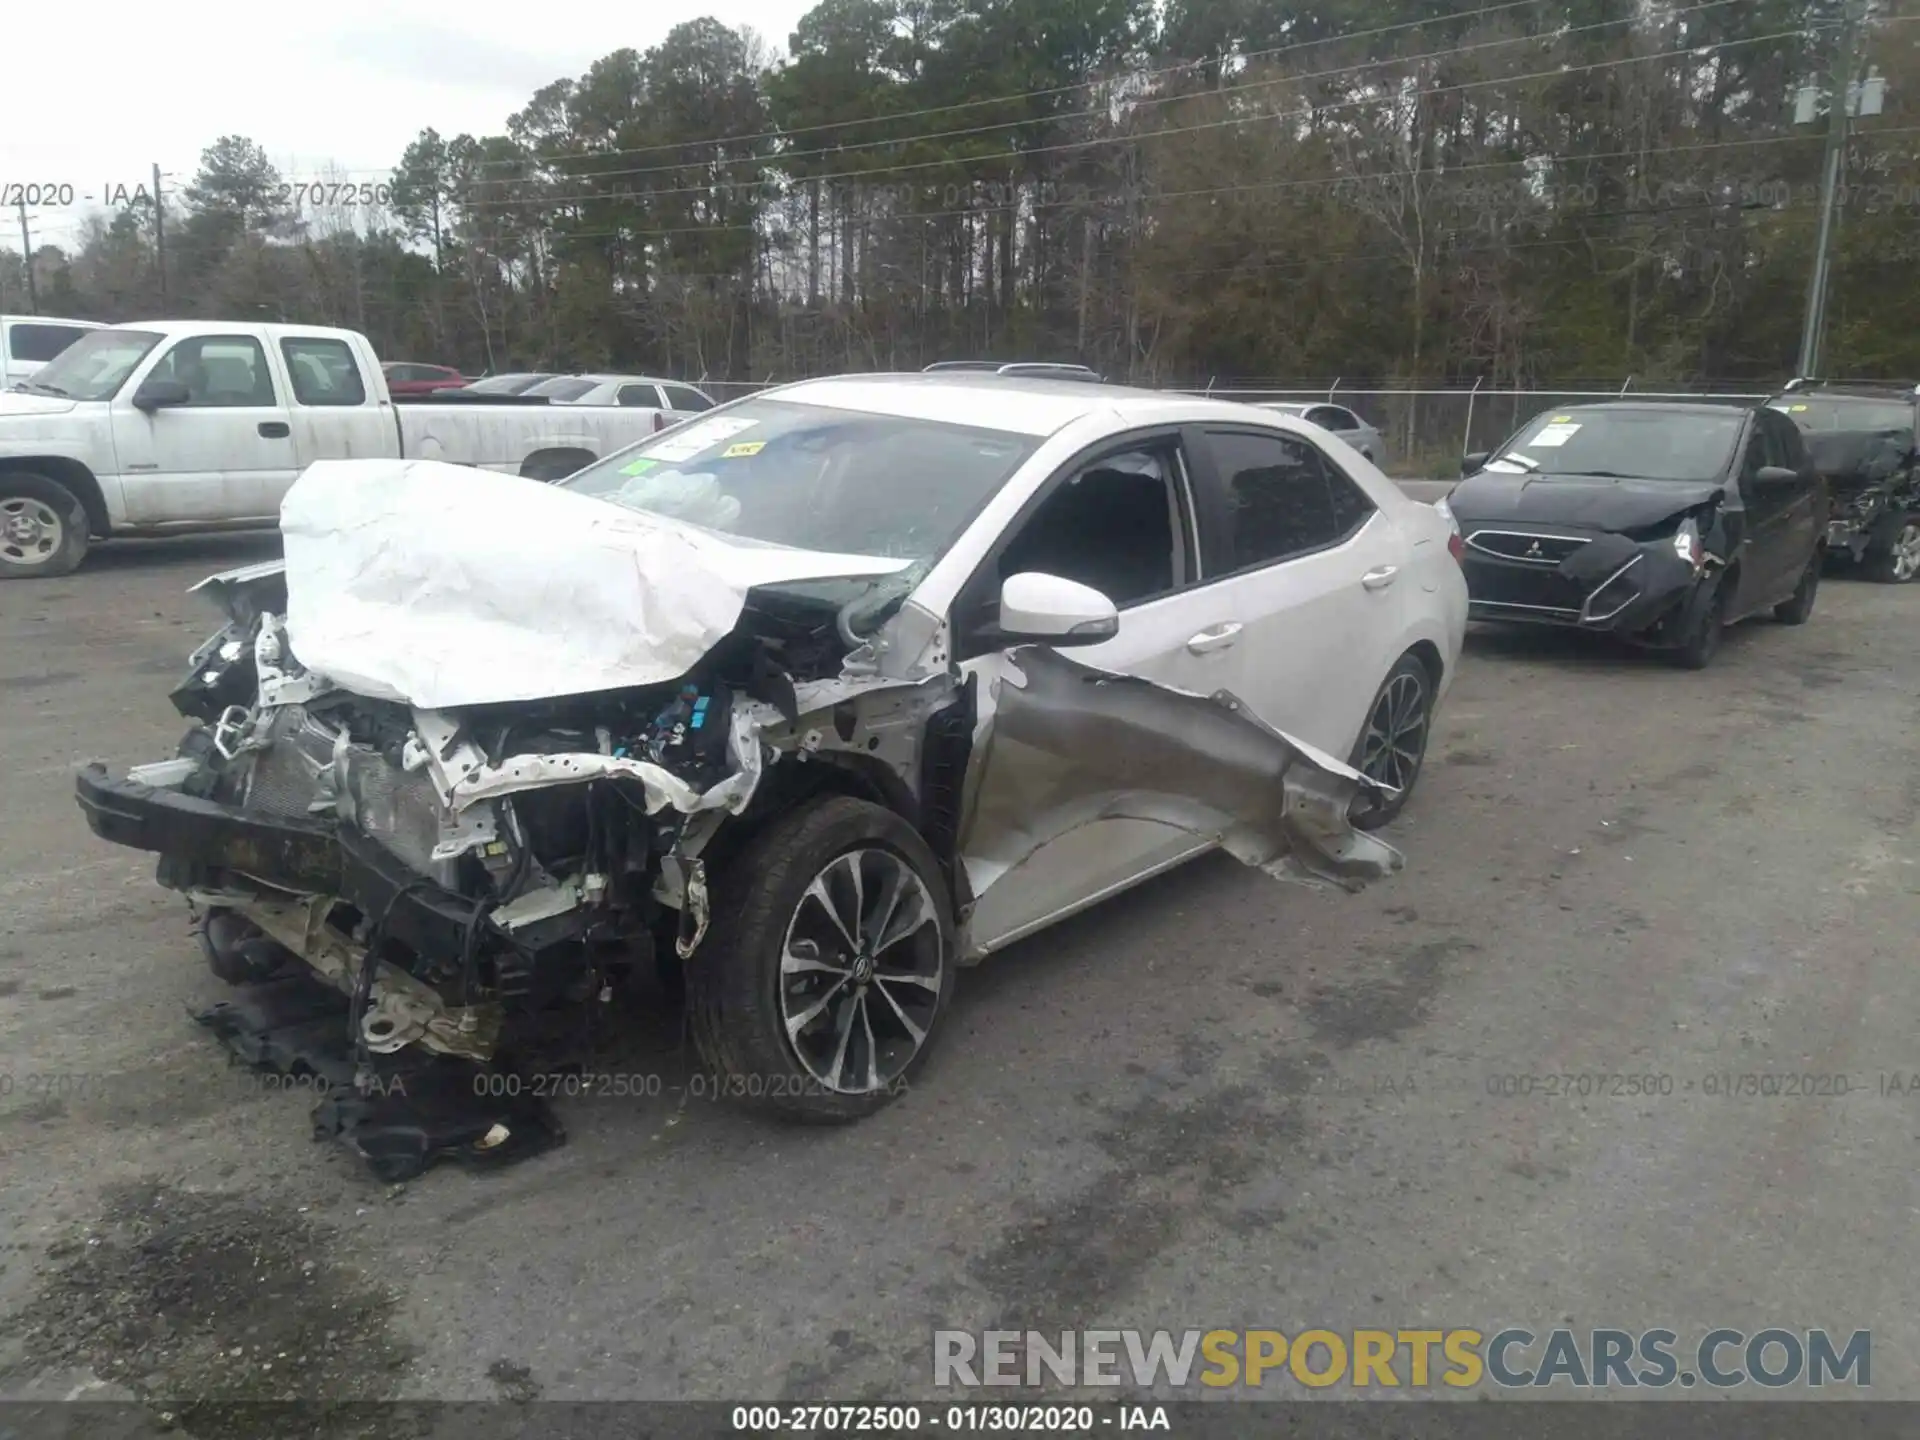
462	777
443	586
1068	745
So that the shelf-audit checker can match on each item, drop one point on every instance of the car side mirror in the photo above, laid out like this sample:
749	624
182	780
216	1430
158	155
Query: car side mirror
158	394
1775	477
1051	608
1476	462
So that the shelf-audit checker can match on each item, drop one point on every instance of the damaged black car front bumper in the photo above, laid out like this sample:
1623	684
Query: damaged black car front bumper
1609	583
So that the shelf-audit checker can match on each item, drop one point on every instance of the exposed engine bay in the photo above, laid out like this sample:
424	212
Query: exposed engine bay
484	881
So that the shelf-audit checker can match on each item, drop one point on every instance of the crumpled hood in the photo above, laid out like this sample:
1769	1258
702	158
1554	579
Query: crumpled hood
443	586
20	402
1584	502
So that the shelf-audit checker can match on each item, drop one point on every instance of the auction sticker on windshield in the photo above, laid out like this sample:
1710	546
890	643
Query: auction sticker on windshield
696	438
638	467
743	449
1556	434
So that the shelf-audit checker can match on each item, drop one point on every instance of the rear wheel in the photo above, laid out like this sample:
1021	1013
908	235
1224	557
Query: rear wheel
1899	561
43	528
1393	743
829	965
1796	609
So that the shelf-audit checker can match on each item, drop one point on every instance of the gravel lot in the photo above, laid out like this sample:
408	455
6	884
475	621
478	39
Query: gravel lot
1217	1101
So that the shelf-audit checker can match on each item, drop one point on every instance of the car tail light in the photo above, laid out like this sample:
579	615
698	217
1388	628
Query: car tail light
1456	547
659	420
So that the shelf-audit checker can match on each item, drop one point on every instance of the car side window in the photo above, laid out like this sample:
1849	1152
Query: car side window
1332	417
1284	498
219	370
638	395
1115	523
1786	440
685	397
30	342
323	371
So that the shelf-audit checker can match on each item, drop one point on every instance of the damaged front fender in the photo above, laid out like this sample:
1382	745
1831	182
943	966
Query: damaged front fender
1068	745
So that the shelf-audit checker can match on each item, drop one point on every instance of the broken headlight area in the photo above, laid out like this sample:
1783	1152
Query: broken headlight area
1634	583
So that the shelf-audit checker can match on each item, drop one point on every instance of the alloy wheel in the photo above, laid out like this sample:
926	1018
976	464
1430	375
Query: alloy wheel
32	532
861	971
1906	552
1395	736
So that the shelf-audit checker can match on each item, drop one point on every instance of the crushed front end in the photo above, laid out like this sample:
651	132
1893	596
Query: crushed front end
480	886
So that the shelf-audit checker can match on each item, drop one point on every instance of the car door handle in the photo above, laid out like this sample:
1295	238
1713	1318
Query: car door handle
1381	578
275	429
1215	637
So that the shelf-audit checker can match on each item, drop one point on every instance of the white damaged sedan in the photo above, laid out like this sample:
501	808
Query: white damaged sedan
777	705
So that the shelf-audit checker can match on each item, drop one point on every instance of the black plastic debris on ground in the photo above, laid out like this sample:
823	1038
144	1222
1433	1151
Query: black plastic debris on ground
406	1111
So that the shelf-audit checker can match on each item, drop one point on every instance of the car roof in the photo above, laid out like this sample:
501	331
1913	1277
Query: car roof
1664	407
1019	404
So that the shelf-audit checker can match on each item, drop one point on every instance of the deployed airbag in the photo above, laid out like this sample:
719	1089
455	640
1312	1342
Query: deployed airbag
443	586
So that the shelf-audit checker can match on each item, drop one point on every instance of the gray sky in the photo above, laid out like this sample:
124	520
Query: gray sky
95	98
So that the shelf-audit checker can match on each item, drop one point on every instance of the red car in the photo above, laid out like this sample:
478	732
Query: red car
406	378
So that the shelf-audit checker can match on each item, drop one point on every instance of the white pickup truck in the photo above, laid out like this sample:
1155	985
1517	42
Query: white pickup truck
177	425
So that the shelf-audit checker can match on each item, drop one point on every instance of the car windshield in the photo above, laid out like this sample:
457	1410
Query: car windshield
1627	444
567	387
1836	412
814	478
95	366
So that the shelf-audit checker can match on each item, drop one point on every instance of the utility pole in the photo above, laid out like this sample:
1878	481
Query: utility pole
1840	101
26	257
159	232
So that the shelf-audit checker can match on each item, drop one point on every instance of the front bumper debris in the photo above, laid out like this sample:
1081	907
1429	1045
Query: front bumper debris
399	1113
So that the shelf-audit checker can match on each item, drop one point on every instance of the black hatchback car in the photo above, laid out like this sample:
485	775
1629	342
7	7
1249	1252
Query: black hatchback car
1659	523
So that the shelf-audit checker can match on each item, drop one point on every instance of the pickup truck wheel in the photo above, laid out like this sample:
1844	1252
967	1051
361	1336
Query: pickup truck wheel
43	528
1899	562
828	968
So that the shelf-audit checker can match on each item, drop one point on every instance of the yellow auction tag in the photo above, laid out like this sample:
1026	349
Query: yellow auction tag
743	449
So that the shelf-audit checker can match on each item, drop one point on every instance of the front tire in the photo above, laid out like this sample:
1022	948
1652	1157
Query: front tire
829	965
1709	628
1393	743
43	528
1797	608
1899	562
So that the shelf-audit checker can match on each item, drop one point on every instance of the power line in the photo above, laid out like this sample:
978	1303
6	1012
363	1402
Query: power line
1315	182
1557	73
1183	67
787	157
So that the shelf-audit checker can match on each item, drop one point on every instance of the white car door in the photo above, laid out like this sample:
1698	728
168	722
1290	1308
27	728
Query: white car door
332	414
1120	521
1317	577
226	453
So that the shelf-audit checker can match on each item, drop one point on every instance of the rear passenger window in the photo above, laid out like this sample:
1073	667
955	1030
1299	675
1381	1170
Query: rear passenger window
41	342
683	397
1283	498
639	395
324	372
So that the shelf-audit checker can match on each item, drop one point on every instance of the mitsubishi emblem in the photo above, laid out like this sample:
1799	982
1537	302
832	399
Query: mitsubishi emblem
1534	551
